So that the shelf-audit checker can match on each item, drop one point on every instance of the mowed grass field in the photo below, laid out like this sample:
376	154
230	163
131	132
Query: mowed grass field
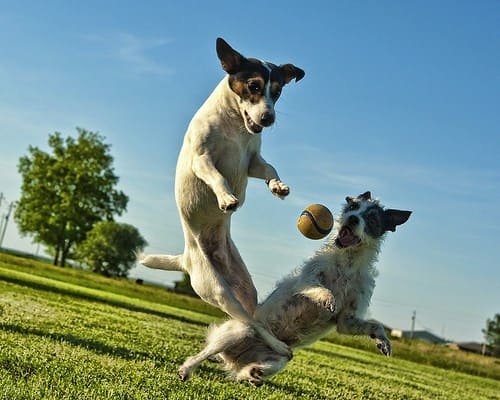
71	334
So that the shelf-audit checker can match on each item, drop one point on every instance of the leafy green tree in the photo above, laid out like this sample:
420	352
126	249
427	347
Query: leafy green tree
492	334
110	248
184	285
65	192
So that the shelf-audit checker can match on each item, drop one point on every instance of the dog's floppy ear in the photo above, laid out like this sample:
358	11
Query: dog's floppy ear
394	218
229	58
290	72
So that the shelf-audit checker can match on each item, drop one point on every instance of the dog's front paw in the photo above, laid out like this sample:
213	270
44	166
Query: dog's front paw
384	345
278	188
227	202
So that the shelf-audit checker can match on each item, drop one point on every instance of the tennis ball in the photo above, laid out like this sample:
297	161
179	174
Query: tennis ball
315	222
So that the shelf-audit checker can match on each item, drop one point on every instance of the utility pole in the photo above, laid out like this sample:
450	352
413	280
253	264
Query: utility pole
1	218
413	317
7	216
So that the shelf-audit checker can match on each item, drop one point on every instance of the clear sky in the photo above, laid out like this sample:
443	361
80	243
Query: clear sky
399	98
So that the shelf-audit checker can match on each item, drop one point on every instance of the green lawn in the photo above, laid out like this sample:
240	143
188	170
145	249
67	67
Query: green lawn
68	334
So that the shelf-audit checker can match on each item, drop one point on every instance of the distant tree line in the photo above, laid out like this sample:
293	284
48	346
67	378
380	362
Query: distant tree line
69	200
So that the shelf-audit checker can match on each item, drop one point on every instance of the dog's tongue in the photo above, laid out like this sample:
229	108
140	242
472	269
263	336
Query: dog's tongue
347	238
255	127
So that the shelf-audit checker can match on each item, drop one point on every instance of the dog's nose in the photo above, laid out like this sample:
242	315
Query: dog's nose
352	220
267	118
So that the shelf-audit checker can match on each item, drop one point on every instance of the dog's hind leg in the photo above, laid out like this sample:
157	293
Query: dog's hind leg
219	339
214	289
230	305
255	373
215	280
240	279
162	261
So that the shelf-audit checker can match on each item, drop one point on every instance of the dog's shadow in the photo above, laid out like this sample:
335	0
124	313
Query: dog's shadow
334	355
89	344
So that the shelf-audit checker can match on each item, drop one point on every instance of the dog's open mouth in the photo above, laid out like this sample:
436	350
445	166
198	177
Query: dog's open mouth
251	125
346	237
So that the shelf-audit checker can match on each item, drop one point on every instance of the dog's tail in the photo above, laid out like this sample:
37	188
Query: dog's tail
162	261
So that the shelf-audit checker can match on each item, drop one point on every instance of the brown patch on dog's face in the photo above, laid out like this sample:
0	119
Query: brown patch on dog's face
258	85
253	89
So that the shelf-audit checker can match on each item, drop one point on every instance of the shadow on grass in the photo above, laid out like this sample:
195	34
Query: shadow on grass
89	344
333	355
88	297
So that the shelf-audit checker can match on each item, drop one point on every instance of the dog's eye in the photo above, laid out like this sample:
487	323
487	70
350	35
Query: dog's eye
254	87
352	206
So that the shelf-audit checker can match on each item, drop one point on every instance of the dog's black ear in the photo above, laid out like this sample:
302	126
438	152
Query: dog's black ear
394	218
290	72
365	196
229	58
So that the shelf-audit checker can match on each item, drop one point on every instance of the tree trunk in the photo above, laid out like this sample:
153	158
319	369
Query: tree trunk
65	252
62	245
56	257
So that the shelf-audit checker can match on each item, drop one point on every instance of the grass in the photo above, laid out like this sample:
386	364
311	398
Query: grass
68	334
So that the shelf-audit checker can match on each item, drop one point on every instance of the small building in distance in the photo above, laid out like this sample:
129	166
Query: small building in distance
423	335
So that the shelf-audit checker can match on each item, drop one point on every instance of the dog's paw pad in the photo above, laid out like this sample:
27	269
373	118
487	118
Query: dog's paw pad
183	374
231	207
330	306
228	203
385	347
279	188
256	376
256	373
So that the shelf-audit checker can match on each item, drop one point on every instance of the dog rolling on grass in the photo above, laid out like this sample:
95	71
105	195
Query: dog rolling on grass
221	150
332	289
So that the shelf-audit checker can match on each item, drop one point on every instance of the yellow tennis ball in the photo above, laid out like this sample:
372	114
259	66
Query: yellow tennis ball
315	222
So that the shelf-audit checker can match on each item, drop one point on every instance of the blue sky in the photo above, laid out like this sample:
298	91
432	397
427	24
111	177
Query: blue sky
400	98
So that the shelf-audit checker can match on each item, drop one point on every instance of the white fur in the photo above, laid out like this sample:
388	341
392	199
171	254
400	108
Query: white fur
332	289
218	155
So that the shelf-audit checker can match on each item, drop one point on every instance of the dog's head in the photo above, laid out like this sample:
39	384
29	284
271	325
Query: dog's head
257	83
363	220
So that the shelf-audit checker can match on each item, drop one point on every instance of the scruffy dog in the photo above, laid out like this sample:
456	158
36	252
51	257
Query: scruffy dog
332	289
221	150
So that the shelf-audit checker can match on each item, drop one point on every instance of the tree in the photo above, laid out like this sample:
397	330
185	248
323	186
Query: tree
184	285
110	248
492	334
63	194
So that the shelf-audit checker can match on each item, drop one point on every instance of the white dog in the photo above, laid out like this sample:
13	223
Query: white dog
221	150
333	288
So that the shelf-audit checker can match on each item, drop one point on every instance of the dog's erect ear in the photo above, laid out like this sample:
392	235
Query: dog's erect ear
290	72
394	218
229	58
365	196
